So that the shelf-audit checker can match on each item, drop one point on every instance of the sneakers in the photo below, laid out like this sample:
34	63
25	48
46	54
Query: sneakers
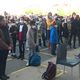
22	58
14	56
19	57
74	47
5	77
27	64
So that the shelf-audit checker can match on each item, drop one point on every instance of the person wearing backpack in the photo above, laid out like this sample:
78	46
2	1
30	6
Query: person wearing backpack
53	39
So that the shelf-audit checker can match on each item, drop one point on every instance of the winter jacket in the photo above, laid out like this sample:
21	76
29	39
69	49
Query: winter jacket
78	27
53	35
13	31
65	31
49	23
4	38
31	38
24	31
73	26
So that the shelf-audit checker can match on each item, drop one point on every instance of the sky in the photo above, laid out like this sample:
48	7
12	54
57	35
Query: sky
19	6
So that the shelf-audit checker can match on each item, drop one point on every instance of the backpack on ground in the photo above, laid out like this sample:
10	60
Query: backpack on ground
50	72
35	60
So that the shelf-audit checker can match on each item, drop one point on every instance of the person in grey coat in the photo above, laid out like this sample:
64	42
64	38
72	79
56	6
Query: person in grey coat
31	39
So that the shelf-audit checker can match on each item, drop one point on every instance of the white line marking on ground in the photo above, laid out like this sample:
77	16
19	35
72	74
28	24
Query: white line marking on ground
48	54
19	70
43	49
9	59
42	65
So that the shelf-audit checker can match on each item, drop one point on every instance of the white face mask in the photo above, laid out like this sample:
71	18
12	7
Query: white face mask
21	21
74	16
55	17
33	27
50	17
56	26
40	19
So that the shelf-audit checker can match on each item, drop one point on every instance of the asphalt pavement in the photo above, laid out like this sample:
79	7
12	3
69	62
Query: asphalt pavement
17	69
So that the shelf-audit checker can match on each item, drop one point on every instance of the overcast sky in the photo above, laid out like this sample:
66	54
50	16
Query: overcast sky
18	6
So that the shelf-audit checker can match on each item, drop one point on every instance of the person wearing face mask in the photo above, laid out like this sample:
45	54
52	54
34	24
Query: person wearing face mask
49	22
22	31
31	39
73	30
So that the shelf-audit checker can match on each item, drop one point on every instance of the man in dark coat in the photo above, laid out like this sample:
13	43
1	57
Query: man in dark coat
22	31
78	29
73	30
5	46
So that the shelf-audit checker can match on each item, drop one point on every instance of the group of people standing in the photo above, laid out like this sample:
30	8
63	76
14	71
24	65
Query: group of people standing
38	32
8	39
18	32
62	30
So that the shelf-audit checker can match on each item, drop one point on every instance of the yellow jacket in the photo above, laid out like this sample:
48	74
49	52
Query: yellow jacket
49	23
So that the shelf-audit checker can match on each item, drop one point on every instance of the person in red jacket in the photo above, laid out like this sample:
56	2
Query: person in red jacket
22	31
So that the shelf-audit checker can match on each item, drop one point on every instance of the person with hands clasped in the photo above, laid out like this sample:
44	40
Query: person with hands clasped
31	39
5	46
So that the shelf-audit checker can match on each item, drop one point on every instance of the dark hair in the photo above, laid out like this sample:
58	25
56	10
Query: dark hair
12	20
77	17
50	13
1	17
73	13
32	22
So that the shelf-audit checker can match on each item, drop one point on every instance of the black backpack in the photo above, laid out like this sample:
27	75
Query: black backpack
50	72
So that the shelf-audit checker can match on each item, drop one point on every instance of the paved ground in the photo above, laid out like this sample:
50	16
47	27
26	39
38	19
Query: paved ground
17	64
18	71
